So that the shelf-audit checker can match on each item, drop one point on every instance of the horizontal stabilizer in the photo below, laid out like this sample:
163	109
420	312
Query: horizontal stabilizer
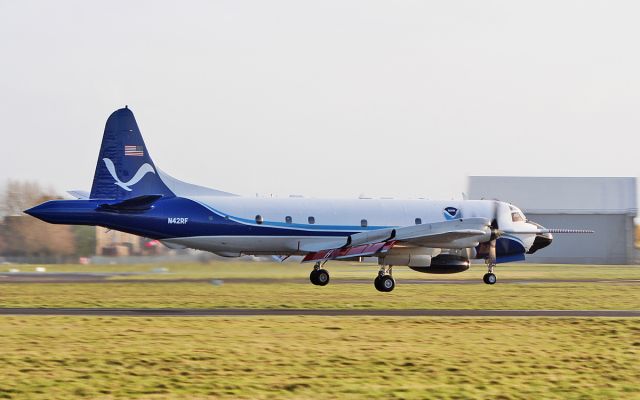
79	194
134	204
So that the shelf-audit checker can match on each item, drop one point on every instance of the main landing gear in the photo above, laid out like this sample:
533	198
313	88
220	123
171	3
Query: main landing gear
384	282
490	278
319	276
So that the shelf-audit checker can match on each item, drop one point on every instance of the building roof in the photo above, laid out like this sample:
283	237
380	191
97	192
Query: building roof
565	195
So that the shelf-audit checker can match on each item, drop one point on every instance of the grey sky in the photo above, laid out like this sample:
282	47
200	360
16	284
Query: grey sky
324	98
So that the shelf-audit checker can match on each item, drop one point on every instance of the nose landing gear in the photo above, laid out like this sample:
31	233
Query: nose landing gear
490	278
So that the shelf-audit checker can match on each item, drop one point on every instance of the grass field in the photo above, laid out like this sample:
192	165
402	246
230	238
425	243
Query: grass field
561	295
319	358
323	357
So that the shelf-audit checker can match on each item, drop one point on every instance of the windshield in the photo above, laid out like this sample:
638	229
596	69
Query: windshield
517	215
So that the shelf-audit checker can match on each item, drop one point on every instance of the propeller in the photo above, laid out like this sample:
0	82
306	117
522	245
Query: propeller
529	229
495	234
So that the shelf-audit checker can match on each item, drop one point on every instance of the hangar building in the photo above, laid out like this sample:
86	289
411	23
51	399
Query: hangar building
606	205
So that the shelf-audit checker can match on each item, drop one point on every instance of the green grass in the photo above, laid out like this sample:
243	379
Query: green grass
323	357
319	358
129	293
202	295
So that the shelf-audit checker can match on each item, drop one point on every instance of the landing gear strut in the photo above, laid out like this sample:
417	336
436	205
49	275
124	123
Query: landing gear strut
384	282
490	278
319	276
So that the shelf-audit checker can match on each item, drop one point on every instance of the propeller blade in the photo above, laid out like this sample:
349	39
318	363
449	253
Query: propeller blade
492	252
495	229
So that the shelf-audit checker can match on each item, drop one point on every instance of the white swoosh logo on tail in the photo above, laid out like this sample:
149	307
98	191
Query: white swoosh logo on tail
142	171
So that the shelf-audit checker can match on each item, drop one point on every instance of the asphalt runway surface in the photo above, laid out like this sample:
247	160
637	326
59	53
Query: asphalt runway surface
244	312
73	277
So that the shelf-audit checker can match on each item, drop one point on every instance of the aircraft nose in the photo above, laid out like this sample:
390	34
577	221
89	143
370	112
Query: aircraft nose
541	241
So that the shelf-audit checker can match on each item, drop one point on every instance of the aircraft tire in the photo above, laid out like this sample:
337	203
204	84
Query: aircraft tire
386	283
322	277
489	278
313	277
376	284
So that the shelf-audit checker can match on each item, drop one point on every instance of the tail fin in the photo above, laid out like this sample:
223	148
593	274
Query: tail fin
125	169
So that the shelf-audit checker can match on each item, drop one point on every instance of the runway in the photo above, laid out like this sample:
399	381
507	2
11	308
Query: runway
245	312
121	278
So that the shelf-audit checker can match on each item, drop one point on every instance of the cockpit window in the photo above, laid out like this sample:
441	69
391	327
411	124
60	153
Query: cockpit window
517	215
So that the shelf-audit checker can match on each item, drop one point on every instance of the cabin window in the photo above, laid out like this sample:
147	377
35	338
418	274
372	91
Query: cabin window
288	219
363	223
259	219
312	220
418	221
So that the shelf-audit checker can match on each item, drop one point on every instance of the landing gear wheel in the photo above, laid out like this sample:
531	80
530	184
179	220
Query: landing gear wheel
489	278
376	283
384	283
322	277
319	277
313	276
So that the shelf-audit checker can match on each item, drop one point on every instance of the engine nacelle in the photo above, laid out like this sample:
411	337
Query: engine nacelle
411	257
444	264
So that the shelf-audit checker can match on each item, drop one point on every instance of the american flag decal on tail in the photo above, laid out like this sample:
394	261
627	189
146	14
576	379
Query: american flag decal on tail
137	151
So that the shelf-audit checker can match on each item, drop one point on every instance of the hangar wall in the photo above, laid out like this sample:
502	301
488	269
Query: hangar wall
606	205
608	245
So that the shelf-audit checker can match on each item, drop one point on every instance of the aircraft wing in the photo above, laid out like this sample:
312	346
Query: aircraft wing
343	253
455	234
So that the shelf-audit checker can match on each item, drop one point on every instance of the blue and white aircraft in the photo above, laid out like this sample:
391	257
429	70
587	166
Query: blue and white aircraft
131	194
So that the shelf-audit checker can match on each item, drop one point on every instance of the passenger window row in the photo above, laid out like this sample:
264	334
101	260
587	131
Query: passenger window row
311	220
287	219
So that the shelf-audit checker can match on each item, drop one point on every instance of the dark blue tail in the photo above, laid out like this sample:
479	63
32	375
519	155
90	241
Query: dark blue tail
124	168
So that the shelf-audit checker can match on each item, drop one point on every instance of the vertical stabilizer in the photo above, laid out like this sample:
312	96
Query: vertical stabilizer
125	169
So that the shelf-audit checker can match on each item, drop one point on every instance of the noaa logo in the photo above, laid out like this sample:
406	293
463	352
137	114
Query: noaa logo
142	171
451	212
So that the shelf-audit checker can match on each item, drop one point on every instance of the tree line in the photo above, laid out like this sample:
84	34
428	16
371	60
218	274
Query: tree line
25	236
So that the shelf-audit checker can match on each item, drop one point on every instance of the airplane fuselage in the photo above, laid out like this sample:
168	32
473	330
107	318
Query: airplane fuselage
274	226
